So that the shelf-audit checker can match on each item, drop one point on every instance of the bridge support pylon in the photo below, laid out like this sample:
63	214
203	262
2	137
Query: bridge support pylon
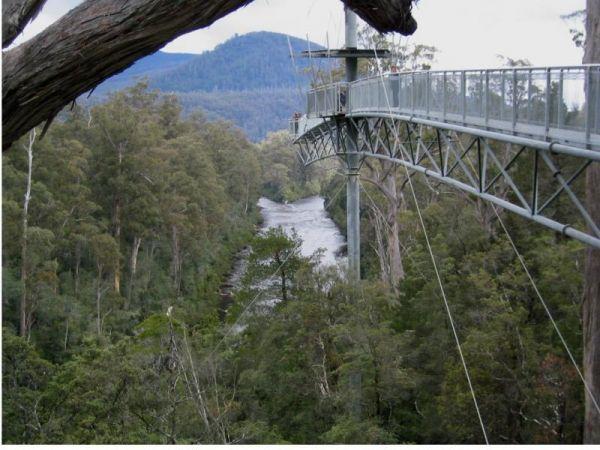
352	162
347	144
353	216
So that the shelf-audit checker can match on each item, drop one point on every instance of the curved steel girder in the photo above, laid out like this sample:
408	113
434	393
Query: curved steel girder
471	162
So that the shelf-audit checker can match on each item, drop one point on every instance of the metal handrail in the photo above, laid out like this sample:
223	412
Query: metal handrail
497	69
559	103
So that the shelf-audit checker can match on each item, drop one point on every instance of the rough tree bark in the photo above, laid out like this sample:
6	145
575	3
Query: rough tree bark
16	14
396	267
591	301
100	38
386	16
384	179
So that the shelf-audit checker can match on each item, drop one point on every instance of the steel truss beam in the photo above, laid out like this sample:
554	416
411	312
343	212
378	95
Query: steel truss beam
529	178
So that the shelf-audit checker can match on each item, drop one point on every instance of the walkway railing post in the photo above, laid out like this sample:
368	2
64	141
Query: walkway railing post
547	104
588	103
559	101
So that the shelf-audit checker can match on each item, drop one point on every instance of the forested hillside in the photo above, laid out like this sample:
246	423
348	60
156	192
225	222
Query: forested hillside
245	62
113	328
147	67
257	112
249	80
132	209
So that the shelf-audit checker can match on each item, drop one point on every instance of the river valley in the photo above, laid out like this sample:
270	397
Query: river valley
309	219
311	222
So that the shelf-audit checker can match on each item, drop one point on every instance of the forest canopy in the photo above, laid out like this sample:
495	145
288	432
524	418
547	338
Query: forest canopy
135	218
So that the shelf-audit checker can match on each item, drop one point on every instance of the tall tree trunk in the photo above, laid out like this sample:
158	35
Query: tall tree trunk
137	241
67	311
175	259
384	178
23	307
393	236
117	236
247	198
66	339
591	316
77	267
117	221
591	301
381	250
283	282
98	301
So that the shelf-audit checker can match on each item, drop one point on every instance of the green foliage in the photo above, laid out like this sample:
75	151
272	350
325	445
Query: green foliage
284	176
257	112
248	80
135	221
106	252
274	256
25	376
134	210
156	325
351	431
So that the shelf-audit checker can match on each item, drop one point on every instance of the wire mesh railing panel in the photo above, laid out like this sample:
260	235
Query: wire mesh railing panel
496	95
475	92
521	94
420	91
453	94
553	96
572	100
405	92
436	93
536	105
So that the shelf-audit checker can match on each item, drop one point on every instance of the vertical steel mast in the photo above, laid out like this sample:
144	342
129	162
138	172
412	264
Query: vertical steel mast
352	160
338	100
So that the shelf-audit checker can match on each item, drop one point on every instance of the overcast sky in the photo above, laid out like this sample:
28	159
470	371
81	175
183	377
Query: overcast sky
468	33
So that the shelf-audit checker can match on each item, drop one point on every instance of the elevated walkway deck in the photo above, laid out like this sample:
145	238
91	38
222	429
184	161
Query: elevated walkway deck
550	104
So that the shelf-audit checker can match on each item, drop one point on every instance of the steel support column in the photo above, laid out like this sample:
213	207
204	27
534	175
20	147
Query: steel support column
352	163
353	212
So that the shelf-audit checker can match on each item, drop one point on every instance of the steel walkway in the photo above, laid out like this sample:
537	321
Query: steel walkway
474	130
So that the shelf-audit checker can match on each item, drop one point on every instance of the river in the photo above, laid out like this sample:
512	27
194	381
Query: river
313	226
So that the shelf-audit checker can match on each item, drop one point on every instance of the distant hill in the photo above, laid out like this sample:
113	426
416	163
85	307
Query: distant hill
249	79
147	67
251	61
256	111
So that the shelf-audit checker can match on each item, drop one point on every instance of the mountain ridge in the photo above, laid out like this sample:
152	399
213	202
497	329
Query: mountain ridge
249	80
